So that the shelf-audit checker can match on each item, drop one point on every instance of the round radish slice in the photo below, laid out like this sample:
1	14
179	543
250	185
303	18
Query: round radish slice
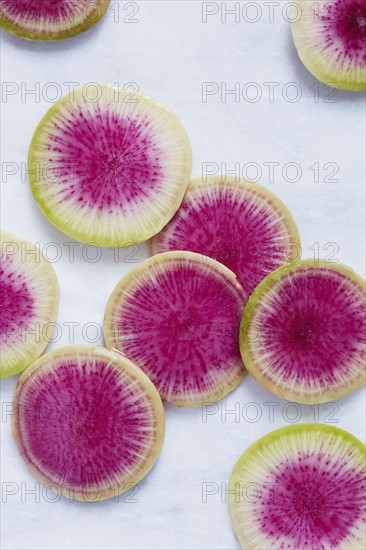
330	38
88	423
112	171
29	298
177	316
300	487
46	20
303	333
238	223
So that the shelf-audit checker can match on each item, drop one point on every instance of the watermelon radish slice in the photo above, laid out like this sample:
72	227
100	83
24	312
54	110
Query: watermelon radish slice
240	224
330	38
111	171
300	487
29	298
88	423
303	333
46	20
177	316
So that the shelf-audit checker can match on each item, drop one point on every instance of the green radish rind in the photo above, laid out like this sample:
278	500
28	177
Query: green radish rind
141	381
84	25
248	349
255	450
14	362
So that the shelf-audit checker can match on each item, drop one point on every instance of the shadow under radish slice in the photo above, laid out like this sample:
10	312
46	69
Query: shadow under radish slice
29	299
46	20
177	317
303	332
238	223
300	487
330	38
88	423
110	170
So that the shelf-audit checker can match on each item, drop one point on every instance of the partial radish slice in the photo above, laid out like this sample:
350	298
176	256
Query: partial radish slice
303	333
177	316
46	20
300	487
112	171
238	223
88	423
330	37
29	299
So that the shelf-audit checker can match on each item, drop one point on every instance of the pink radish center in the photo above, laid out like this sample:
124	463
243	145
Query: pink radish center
16	304
313	501
102	160
312	328
52	10
182	328
84	425
346	20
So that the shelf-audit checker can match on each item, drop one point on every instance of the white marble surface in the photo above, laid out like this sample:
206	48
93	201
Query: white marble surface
169	53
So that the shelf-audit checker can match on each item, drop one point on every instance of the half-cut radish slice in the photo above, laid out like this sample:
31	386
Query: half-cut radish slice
112	171
177	316
303	333
47	20
238	223
88	423
29	298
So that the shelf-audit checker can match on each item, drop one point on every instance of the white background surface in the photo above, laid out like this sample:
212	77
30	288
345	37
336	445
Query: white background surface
169	53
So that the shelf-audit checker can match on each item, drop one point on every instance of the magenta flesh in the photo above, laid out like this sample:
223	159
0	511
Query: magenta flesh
345	20
177	317
104	161
192	336
303	332
314	501
54	10
81	424
321	325
16	302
